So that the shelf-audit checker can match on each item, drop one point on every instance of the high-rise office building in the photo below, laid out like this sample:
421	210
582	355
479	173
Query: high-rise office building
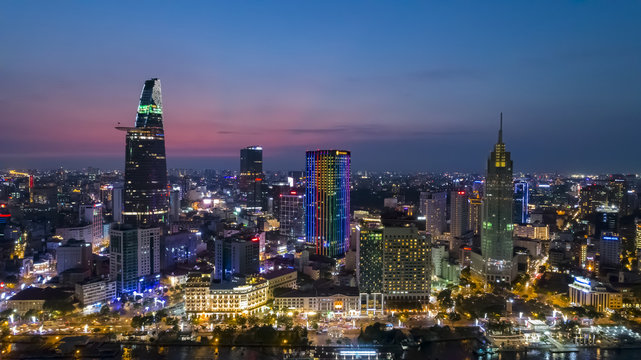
251	176
134	256
118	203
433	205
135	243
92	214
174	205
75	254
476	207
521	202
637	234
327	201
146	197
497	245
406	263
292	215
236	256
370	258
459	222
459	213
609	251
592	196
607	220
5	216
616	187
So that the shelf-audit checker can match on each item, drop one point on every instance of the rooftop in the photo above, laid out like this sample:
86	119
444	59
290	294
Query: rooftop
323	291
35	293
276	273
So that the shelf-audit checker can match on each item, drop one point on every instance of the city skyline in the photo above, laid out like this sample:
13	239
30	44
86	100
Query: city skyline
559	77
330	180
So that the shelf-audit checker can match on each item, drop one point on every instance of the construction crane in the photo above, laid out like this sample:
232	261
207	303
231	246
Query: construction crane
13	172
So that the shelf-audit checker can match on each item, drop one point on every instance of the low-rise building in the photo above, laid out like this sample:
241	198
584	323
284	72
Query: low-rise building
337	300
587	292
206	297
177	277
284	278
532	231
80	232
96	290
533	246
34	298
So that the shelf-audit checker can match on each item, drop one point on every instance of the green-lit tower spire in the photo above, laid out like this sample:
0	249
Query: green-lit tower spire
146	200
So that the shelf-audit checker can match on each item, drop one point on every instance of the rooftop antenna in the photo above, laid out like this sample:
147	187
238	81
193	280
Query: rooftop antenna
501	129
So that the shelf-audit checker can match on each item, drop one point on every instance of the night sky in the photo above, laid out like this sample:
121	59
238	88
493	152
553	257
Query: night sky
404	85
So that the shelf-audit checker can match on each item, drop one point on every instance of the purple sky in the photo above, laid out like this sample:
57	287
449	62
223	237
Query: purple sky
404	86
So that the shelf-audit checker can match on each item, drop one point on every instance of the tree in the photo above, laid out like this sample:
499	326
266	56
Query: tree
104	310
285	321
454	316
136	322
444	299
241	320
62	306
252	321
616	317
30	313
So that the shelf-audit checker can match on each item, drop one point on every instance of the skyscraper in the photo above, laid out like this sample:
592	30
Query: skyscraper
370	262
327	201
134	257
407	265
236	256
609	251
607	220
476	206
118	203
292	215
135	243
146	197
174	204
496	230
434	206
92	214
251	176
521	202
459	213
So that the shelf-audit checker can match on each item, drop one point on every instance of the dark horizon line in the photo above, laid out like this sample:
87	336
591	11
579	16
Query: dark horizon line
404	172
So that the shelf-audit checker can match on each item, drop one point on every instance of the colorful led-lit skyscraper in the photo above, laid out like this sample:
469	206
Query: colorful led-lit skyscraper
327	201
146	196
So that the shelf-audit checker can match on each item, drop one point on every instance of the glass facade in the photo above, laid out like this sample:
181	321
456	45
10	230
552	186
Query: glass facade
123	261
521	202
327	201
146	196
370	278
251	176
292	213
496	229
